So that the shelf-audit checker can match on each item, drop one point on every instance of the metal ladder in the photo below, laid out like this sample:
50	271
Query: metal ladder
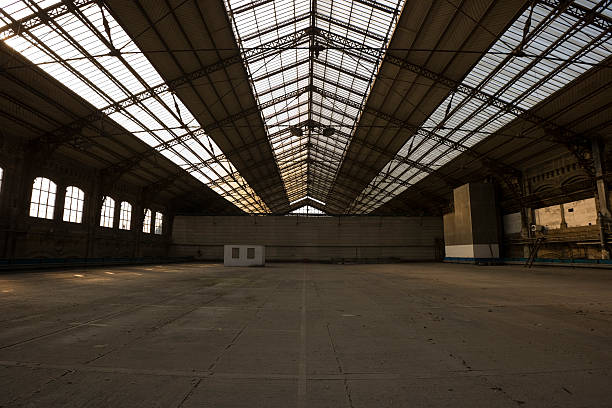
533	253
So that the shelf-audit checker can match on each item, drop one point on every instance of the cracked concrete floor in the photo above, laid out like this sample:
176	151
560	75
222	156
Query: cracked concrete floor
307	335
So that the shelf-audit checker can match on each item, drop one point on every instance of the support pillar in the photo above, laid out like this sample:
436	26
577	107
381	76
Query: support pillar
471	231
603	210
563	222
602	189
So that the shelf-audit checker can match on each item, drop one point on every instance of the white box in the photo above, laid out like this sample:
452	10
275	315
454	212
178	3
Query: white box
244	255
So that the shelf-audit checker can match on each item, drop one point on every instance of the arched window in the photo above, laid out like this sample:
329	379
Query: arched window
73	204
159	218
146	224
42	203
107	214
125	216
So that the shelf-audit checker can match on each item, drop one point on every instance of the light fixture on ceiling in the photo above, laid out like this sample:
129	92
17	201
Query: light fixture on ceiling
296	131
317	48
328	131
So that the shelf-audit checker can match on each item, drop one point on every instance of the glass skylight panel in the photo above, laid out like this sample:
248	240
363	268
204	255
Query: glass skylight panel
74	48
564	47
307	210
334	71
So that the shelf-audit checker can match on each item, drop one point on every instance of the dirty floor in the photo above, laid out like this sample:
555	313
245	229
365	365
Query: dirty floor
307	335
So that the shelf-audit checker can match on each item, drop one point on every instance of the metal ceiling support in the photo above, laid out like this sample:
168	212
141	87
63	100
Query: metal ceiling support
347	26
430	196
423	167
578	145
377	5
248	6
579	11
129	163
42	17
496	167
56	136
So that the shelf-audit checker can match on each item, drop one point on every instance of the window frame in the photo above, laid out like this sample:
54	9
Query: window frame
104	215
51	197
80	205
158	225
146	221
122	212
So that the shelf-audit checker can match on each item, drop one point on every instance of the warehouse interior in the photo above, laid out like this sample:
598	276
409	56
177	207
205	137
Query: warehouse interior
426	182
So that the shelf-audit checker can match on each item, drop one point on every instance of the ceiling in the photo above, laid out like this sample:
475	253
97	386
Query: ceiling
347	107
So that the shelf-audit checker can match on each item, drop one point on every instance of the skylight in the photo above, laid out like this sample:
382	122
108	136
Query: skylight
307	211
74	47
561	40
309	132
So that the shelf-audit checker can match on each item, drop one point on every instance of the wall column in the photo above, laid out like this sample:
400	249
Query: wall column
563	223
603	210
602	189
471	231
16	193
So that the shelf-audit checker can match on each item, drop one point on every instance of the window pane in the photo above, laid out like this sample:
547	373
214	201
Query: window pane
108	213
125	216
146	225
159	217
73	205
42	203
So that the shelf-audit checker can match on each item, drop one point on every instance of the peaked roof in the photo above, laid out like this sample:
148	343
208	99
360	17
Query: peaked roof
310	85
342	104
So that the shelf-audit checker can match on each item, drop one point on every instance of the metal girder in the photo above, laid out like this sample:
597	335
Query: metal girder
448	180
416	129
201	132
355	75
133	161
56	136
248	6
403	159
350	27
503	171
581	12
41	17
376	5
281	69
560	135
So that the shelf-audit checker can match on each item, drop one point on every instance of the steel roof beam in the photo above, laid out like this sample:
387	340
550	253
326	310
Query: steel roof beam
38	18
574	9
574	142
56	136
131	162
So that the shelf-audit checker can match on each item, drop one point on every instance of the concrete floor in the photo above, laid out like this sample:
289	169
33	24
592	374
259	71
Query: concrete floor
307	335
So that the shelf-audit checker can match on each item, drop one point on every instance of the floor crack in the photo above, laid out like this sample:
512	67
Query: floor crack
347	388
